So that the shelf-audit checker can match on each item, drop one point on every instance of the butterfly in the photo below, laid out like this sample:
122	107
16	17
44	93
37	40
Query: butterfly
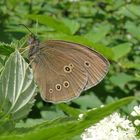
63	70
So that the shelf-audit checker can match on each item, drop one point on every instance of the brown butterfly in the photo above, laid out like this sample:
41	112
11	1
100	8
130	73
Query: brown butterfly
64	69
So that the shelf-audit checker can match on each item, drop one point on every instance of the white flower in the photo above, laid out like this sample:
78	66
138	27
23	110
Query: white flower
137	122
81	116
102	106
133	113
113	127
129	36
136	111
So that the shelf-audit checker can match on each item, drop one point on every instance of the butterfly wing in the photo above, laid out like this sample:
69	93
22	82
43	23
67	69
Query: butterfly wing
64	69
59	76
95	64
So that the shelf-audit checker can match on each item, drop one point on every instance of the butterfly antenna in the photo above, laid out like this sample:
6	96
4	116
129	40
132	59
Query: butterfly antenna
27	29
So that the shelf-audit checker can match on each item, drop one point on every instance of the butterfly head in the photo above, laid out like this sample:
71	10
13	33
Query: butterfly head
33	42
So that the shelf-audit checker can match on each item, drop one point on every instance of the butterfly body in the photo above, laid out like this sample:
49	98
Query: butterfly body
63	69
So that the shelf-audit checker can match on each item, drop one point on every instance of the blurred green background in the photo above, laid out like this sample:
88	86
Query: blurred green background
112	27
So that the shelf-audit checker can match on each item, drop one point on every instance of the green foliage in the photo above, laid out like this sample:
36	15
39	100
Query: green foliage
63	25
6	49
17	88
121	79
110	27
66	128
121	50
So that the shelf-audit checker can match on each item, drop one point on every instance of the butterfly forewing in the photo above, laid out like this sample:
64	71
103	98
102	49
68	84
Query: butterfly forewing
95	64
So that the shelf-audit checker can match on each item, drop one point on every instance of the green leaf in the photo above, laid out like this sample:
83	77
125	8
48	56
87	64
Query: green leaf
17	88
1	61
56	24
121	50
88	101
124	11
121	79
71	24
6	49
68	128
29	123
130	64
98	33
69	110
51	115
6	126
133	29
134	9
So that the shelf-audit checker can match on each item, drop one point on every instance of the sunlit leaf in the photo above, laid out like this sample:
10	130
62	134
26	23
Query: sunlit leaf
134	9
121	50
6	49
69	110
124	11
88	101
98	33
51	115
133	29
121	79
130	65
51	22
71	24
17	88
67	128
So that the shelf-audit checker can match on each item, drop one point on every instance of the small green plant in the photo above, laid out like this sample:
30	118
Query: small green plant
110	27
